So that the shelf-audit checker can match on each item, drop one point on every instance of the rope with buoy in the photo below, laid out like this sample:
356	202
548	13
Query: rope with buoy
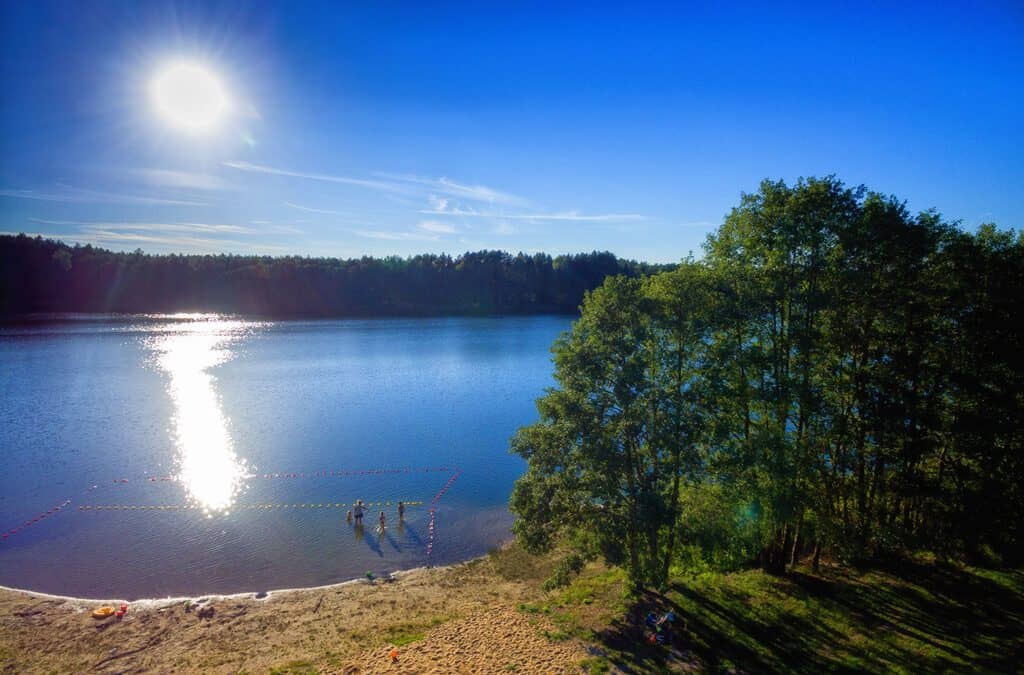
337	473
236	507
433	513
32	521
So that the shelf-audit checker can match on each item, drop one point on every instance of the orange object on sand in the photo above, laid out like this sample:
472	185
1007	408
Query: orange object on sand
102	612
394	655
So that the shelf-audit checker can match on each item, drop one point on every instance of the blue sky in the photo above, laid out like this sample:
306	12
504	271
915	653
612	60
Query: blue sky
385	128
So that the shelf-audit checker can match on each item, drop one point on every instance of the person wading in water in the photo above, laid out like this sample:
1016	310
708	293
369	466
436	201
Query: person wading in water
357	511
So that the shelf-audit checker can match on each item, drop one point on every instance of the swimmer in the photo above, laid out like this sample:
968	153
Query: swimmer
401	511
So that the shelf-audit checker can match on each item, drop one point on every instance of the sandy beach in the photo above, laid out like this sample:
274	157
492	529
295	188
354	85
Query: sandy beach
458	619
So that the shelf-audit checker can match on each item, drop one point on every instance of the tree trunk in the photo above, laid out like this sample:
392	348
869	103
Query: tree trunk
796	542
773	555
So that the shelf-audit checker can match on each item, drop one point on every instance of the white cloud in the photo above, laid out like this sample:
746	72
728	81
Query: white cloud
433	188
437	226
182	179
403	184
345	180
571	216
579	217
154	227
310	209
396	236
479	193
72	194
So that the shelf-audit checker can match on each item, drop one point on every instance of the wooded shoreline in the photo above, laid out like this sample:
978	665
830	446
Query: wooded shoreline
42	275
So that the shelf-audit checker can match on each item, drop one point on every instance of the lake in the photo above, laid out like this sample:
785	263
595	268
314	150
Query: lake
203	454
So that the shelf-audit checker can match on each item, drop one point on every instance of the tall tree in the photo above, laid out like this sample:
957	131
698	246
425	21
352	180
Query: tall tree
834	373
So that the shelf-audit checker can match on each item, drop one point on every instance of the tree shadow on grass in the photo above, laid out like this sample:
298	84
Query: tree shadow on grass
916	617
938	617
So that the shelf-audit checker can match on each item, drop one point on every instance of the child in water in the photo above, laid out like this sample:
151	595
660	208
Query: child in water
348	517
401	511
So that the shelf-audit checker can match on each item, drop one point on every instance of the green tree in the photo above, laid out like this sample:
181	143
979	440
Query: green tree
836	373
621	433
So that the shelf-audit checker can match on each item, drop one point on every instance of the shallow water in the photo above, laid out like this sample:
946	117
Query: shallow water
202	412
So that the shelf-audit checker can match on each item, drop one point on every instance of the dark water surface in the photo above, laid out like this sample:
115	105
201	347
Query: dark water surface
196	411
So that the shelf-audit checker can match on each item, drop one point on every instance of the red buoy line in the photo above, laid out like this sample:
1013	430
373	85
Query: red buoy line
32	521
433	513
323	474
42	516
303	474
236	507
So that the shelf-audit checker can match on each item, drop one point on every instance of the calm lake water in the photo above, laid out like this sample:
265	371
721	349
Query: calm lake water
162	413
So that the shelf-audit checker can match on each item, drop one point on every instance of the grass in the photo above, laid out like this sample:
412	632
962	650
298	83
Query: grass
513	563
919	616
406	633
402	639
595	664
295	668
910	617
588	605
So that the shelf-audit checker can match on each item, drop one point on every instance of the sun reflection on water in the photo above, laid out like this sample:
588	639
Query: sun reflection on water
187	351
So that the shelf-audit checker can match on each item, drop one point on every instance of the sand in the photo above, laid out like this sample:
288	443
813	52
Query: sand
460	619
500	639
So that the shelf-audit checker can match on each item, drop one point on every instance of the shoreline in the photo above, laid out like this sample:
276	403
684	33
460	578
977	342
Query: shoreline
160	603
439	618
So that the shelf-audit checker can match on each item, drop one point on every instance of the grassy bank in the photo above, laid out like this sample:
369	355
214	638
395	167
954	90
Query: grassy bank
491	615
911	617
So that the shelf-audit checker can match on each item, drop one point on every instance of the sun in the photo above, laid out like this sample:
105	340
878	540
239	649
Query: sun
189	97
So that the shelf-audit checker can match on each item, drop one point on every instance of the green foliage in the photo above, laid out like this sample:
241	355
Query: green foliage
402	639
836	374
565	570
295	668
595	664
719	529
402	634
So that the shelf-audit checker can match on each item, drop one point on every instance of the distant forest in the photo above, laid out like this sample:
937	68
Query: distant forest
41	275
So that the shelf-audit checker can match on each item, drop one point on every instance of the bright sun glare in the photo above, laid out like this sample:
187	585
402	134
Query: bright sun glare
209	468
189	97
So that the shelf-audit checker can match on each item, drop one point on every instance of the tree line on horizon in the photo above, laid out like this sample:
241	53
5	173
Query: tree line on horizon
44	276
835	377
